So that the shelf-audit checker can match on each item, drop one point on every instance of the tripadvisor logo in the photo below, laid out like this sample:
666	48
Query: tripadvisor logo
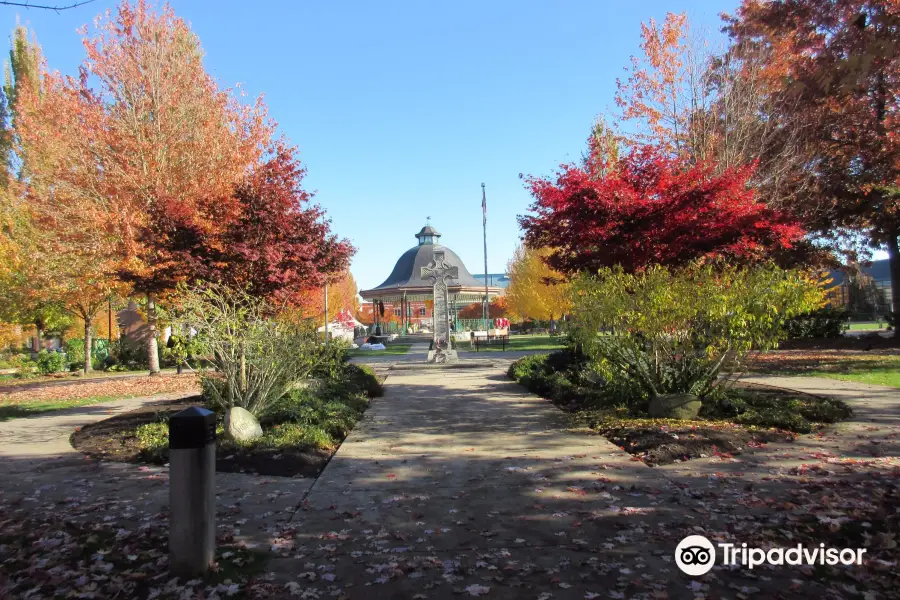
696	555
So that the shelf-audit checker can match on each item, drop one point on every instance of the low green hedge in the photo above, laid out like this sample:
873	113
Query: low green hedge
822	323
560	377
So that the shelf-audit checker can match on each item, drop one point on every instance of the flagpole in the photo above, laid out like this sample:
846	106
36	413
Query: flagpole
484	309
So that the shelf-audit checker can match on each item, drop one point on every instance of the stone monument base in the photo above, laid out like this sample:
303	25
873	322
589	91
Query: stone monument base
442	356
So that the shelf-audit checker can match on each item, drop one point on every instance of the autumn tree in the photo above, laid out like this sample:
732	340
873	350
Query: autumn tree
167	148
23	299
837	65
279	247
535	290
22	71
75	249
711	106
496	308
650	208
342	295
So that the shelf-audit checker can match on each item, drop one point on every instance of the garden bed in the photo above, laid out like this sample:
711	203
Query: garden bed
745	416
666	443
116	440
299	438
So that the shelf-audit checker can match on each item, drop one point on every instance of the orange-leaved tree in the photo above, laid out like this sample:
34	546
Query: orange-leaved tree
172	147
72	239
497	308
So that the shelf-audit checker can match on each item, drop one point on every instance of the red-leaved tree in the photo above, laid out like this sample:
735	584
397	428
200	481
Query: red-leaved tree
279	246
650	208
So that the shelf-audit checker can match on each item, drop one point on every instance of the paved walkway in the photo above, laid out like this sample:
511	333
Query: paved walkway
458	482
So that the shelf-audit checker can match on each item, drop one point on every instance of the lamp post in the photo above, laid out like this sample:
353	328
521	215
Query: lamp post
326	311
484	309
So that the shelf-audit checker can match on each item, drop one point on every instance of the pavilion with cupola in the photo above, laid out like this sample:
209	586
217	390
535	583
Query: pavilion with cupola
407	297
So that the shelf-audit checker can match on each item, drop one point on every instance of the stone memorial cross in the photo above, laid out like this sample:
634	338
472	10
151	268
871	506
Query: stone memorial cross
440	273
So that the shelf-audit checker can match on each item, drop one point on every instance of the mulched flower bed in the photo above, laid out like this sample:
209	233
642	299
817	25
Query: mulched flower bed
113	439
666	444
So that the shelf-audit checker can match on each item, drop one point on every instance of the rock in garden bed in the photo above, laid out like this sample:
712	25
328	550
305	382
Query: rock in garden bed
114	439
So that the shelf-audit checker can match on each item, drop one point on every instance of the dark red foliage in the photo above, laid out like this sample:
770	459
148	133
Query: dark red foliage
650	208
280	245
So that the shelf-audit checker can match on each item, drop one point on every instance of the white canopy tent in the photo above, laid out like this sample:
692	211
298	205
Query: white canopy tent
344	329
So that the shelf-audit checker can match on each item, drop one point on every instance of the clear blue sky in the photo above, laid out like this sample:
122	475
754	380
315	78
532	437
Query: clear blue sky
402	109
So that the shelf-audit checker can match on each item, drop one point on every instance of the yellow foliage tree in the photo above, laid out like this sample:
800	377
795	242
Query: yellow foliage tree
532	293
342	295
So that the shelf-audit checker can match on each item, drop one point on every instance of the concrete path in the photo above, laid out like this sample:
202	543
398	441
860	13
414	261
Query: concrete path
458	479
458	482
28	442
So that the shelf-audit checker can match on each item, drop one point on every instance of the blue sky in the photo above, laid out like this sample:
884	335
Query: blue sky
402	109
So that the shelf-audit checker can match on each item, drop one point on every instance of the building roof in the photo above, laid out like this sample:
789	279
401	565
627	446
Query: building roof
407	272
878	270
428	230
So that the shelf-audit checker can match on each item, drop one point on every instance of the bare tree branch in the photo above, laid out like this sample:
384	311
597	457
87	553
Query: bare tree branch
57	8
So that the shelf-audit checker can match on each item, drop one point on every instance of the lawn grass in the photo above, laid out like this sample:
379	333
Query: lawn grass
868	326
30	409
520	343
390	350
847	365
9	380
888	377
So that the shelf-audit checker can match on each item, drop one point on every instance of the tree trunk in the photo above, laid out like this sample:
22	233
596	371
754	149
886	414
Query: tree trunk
37	336
152	350
894	264
243	383
88	343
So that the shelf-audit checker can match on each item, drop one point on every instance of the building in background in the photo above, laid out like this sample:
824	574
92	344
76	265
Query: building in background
498	280
407	297
865	294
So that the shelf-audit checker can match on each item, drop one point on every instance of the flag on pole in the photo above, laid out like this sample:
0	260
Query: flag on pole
483	206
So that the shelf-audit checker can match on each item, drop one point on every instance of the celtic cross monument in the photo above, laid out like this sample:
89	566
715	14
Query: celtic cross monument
440	273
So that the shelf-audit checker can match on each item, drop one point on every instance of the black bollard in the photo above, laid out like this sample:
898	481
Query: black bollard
192	491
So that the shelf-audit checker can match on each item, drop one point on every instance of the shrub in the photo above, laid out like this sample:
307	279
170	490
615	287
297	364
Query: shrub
153	441
527	368
773	409
254	358
676	331
23	364
332	360
51	362
566	378
75	352
127	355
364	379
821	323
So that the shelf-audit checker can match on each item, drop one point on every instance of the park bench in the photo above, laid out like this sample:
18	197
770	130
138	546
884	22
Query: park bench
497	337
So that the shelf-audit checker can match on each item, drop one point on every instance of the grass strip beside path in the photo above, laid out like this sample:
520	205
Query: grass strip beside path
30	409
873	367
888	377
37	380
520	343
16	403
